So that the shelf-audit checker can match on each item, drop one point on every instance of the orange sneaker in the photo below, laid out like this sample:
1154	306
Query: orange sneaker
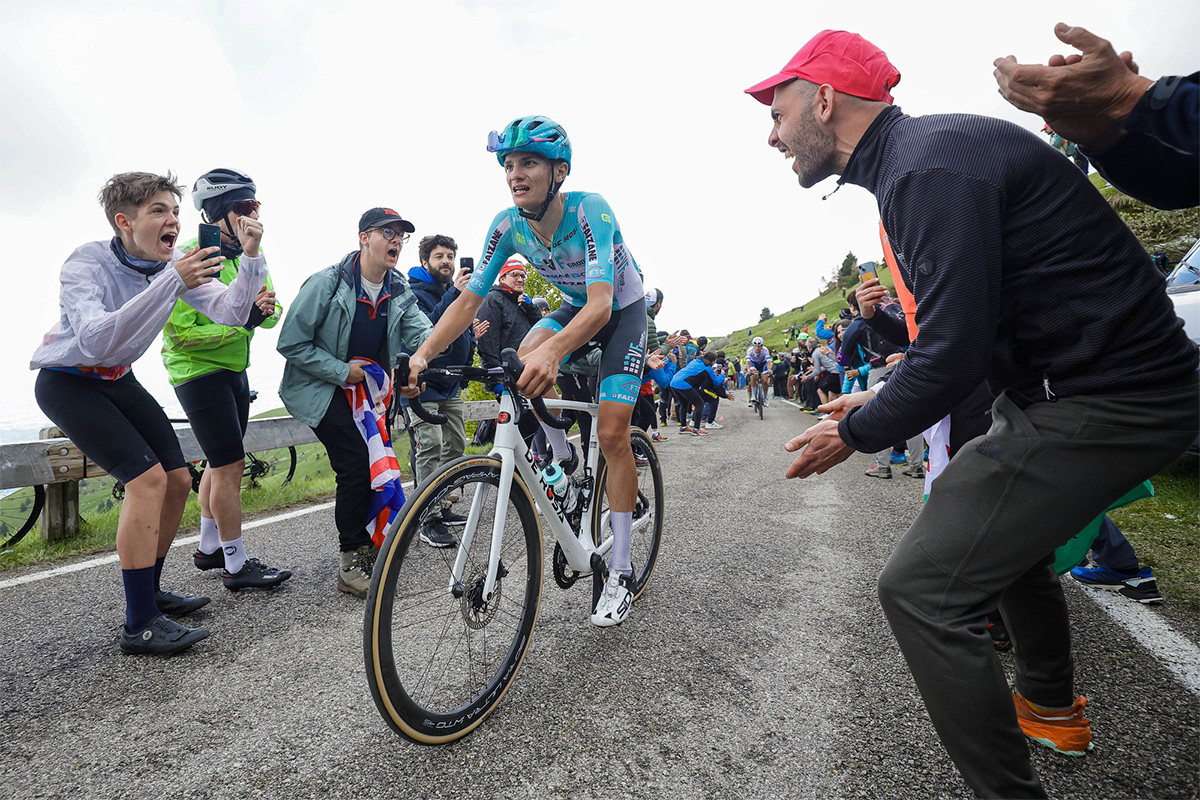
1069	733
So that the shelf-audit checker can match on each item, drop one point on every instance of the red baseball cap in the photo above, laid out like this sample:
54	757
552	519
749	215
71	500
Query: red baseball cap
846	61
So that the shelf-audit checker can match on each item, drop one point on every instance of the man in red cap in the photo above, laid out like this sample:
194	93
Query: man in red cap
1023	276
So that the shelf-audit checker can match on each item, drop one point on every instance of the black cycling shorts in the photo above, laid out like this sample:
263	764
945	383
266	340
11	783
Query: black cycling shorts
117	424
218	405
622	343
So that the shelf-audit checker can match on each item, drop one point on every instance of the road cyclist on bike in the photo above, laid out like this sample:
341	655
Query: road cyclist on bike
206	363
573	240
758	369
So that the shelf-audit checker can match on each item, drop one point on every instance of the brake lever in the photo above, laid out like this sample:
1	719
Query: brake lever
402	370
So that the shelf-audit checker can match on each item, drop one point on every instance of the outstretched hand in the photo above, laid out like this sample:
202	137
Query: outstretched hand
1083	97
837	408
821	448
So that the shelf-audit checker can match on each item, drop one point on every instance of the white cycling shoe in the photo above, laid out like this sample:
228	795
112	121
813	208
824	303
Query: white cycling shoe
616	598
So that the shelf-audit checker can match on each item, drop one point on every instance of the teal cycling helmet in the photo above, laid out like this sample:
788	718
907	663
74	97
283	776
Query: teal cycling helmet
536	134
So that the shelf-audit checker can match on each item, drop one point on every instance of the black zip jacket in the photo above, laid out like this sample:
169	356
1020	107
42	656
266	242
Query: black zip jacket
1158	159
1021	271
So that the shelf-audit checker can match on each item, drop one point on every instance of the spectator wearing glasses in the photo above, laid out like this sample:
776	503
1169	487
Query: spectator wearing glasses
359	308
206	363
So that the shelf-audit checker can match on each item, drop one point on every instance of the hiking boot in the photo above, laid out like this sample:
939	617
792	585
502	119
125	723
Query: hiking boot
354	573
450	518
1067	732
206	561
254	575
178	605
616	598
879	471
1143	588
434	534
915	471
162	637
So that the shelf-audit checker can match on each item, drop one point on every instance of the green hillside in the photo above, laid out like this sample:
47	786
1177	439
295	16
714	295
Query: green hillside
776	328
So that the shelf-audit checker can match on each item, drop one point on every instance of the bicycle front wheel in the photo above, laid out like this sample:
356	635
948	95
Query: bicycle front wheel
647	509
440	656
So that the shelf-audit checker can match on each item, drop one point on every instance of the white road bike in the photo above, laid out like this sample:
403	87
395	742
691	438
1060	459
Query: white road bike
447	629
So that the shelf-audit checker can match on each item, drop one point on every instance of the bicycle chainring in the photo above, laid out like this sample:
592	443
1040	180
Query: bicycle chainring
564	576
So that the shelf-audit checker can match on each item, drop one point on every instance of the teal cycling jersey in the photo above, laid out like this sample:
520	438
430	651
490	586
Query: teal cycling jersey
587	248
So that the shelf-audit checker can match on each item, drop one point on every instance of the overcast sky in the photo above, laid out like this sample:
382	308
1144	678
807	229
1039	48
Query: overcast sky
334	108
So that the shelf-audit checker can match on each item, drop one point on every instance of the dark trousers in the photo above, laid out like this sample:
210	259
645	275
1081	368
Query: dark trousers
688	400
577	388
643	412
987	536
351	465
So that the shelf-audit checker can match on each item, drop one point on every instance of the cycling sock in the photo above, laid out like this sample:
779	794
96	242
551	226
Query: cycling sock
235	555
140	607
622	523
558	442
158	565
210	539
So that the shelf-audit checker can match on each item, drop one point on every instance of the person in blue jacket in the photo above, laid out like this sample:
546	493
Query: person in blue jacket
436	287
692	385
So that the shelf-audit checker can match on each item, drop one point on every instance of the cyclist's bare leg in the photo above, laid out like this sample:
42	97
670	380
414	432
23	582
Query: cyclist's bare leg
751	382
534	339
178	484
141	513
225	498
613	433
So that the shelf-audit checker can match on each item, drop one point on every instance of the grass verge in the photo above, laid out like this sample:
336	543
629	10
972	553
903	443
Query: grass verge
1165	531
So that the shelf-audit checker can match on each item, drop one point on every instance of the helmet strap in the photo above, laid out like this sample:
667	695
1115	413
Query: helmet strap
554	187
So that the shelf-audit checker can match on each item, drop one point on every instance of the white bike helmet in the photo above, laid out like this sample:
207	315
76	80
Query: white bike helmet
757	340
218	182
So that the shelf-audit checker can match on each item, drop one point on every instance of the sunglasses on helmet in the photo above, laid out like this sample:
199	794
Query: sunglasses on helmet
502	141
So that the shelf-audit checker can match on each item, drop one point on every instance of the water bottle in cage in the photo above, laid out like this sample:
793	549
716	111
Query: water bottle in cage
564	489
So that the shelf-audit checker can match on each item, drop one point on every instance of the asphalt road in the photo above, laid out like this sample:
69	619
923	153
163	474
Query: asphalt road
757	665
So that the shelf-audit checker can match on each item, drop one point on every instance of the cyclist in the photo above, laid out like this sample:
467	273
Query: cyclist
573	240
114	297
758	368
206	363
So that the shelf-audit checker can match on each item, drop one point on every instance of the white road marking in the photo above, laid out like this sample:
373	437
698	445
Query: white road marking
1177	653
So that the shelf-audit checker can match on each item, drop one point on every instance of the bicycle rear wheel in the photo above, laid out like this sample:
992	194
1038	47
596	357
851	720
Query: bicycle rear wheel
647	511
19	510
440	661
270	469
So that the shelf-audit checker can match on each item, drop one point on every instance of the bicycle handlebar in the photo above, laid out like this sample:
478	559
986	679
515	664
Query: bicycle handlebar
509	372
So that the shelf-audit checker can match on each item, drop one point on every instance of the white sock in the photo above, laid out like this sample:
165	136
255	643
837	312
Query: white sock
235	555
210	539
558	442
622	523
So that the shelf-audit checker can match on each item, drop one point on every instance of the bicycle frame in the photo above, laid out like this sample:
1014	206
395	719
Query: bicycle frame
515	458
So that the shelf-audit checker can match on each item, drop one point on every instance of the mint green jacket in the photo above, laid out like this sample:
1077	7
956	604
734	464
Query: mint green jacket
315	336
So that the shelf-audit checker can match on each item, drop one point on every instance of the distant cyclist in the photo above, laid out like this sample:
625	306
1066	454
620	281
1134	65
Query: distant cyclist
206	363
573	240
758	369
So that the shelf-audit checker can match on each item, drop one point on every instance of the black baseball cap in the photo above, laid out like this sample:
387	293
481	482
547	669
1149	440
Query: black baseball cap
379	217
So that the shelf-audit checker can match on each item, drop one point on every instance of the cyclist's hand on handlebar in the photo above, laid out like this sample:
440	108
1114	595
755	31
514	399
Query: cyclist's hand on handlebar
541	368
416	365
357	375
